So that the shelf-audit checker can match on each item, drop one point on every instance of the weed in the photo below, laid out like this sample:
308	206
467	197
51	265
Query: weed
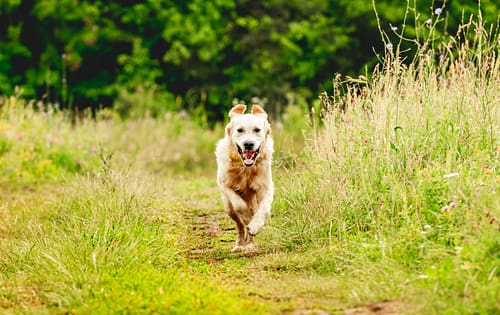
393	178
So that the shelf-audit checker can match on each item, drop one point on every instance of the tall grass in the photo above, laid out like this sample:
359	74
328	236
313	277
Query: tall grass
39	143
107	245
403	177
102	238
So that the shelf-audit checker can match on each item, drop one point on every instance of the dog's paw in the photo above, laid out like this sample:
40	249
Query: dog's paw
244	248
255	226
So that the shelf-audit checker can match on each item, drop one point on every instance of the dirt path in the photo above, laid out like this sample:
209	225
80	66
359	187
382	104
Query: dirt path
208	235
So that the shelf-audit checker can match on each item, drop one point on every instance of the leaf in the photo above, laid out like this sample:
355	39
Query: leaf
394	147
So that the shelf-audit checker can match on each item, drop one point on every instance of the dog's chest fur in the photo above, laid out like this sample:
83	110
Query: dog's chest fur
243	179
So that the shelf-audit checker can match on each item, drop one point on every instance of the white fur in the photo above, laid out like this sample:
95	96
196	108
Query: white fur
246	191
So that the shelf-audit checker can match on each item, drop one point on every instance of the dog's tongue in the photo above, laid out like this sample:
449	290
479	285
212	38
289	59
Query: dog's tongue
248	156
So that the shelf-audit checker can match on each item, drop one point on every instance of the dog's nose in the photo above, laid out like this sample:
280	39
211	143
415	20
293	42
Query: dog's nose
248	145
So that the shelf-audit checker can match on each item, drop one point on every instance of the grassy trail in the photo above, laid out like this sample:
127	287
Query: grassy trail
263	277
189	269
125	237
206	235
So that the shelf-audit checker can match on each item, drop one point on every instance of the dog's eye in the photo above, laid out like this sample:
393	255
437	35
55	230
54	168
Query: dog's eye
239	130
256	130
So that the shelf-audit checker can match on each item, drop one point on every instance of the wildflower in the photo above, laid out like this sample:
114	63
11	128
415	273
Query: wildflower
438	11
427	226
365	140
428	22
423	276
452	204
389	46
486	167
450	175
394	28
458	249
445	208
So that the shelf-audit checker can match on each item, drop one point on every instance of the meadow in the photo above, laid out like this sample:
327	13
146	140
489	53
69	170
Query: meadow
387	202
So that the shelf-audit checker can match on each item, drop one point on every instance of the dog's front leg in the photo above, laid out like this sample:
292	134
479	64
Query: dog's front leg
238	210
263	209
234	200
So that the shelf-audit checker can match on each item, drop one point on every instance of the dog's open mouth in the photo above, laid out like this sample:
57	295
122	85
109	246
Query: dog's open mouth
248	156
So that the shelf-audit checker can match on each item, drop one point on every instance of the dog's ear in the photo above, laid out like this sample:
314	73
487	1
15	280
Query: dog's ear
259	111
237	110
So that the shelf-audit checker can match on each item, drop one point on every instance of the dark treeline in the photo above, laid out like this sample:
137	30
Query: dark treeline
200	55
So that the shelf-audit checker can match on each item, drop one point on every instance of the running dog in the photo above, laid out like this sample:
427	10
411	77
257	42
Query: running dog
244	175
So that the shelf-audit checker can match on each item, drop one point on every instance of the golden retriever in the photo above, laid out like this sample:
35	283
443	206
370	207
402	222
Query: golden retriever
244	176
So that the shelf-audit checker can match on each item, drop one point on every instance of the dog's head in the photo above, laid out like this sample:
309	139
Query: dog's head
248	132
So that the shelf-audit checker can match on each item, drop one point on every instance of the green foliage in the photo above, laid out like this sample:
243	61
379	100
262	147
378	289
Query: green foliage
205	54
144	102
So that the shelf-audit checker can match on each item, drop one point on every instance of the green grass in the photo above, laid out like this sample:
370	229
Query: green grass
404	181
390	203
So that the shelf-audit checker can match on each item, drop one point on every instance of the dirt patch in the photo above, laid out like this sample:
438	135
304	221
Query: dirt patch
207	225
205	232
210	236
307	312
382	308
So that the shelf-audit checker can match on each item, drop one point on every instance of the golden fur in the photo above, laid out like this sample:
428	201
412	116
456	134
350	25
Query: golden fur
244	176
